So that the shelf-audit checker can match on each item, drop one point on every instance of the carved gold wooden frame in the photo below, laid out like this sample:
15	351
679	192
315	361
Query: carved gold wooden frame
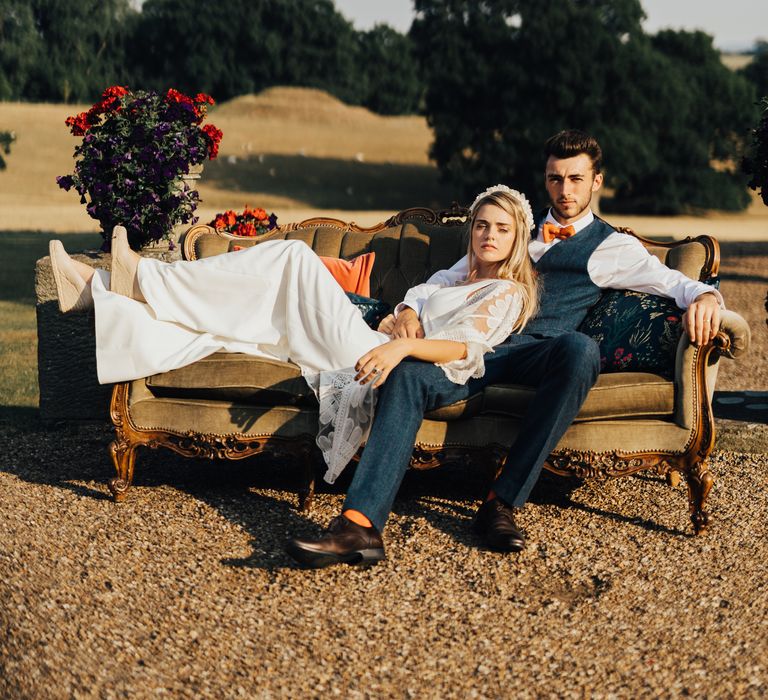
691	462
129	437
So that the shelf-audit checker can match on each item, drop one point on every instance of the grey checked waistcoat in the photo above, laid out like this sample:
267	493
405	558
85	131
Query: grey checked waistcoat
566	291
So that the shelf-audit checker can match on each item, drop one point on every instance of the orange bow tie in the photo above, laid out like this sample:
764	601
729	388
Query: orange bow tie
551	231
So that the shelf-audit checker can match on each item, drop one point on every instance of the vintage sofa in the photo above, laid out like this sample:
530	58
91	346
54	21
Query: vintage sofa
232	406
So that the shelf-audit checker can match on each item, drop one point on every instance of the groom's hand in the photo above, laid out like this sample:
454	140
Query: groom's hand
407	325
702	319
387	324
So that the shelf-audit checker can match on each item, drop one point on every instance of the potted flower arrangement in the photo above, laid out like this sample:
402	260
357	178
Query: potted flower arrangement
136	148
252	222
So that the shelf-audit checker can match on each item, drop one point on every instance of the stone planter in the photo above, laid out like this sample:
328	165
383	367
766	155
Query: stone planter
66	353
66	347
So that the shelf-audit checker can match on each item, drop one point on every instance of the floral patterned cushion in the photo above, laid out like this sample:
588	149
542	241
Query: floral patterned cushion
637	332
373	310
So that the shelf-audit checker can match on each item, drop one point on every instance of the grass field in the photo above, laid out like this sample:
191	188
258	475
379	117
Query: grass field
296	151
18	332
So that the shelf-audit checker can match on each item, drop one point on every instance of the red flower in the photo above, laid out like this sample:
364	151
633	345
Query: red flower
618	353
176	96
202	97
115	91
252	222
79	124
246	230
213	135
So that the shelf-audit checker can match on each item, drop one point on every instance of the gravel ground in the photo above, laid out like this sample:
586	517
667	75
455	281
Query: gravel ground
184	590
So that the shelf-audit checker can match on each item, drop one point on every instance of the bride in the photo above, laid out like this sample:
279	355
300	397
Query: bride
277	300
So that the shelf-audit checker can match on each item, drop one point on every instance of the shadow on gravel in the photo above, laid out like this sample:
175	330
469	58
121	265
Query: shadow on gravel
20	417
63	457
256	495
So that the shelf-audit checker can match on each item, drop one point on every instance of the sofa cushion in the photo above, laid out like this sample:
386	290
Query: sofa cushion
372	310
636	332
620	395
352	275
236	377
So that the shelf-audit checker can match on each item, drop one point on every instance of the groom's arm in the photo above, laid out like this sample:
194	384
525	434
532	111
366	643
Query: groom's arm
622	262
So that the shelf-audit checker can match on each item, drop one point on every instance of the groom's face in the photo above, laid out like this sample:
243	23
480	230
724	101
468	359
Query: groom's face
570	183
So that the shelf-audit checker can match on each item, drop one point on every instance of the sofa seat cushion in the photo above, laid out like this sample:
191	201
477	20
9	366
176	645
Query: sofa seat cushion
236	377
617	395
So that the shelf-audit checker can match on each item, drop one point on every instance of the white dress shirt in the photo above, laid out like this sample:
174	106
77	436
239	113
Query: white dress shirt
619	262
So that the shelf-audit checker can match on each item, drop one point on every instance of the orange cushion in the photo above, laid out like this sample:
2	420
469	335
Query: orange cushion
353	275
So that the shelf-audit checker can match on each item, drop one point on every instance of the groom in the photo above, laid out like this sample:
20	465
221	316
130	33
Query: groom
576	255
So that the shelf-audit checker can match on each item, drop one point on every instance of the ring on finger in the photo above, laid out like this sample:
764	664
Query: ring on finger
376	370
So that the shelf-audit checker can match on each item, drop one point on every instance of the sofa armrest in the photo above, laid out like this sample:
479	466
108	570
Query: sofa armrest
734	336
696	368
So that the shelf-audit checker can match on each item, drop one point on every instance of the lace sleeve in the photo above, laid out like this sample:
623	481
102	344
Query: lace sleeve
483	322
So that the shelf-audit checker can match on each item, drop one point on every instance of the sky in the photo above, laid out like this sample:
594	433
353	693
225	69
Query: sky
735	24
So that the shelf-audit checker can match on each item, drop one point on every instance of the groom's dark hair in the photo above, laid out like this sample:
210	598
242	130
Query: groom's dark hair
572	142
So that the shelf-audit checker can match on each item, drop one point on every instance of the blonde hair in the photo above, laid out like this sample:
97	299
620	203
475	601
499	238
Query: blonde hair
518	267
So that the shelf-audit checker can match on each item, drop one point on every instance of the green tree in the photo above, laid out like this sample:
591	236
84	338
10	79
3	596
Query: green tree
199	46
501	77
318	47
696	120
757	70
83	48
391	75
234	47
20	48
756	162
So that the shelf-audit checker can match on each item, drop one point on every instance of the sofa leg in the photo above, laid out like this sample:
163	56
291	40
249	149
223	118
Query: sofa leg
306	490
700	482
123	456
673	478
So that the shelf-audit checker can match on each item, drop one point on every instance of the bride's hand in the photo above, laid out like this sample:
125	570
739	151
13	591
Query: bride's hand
376	364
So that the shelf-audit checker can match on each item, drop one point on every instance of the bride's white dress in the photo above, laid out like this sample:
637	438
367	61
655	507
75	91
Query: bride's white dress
277	300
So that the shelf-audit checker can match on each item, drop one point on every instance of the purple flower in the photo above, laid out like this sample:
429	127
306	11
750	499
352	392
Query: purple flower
65	182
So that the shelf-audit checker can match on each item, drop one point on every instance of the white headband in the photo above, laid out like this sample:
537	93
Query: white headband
519	196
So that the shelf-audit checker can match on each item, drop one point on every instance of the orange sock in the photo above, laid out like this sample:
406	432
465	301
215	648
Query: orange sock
491	495
357	517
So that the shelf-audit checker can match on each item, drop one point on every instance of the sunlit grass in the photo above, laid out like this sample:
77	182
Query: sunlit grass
18	355
18	324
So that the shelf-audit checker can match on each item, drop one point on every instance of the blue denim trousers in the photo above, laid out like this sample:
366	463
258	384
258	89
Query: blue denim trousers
561	369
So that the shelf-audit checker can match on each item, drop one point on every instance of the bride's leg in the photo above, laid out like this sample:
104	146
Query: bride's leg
72	278
125	265
276	293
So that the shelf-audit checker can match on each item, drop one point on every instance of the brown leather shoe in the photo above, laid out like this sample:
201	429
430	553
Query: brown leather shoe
344	542
495	522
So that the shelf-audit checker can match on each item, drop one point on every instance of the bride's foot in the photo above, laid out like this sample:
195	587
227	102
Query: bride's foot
125	266
72	279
